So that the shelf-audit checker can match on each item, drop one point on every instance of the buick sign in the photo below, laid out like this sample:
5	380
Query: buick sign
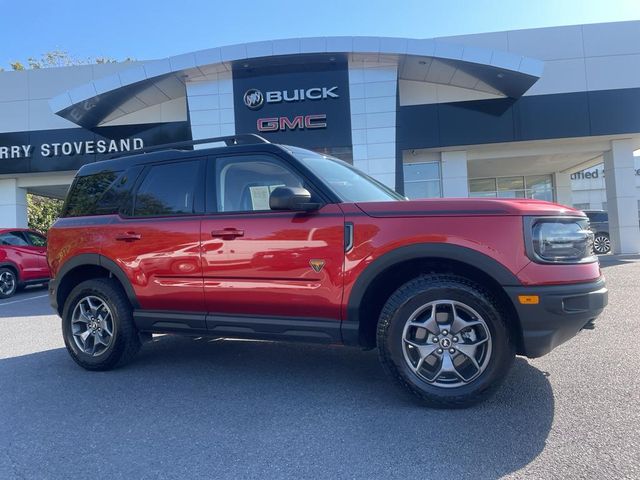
253	98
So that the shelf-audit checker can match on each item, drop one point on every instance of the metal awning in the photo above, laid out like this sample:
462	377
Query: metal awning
150	83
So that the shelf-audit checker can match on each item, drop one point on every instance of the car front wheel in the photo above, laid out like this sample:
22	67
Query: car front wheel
601	243
444	339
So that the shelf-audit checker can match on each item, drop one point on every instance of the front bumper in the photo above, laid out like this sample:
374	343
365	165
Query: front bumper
562	312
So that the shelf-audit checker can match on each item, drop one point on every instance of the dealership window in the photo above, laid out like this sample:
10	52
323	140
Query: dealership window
539	187
582	206
422	180
343	153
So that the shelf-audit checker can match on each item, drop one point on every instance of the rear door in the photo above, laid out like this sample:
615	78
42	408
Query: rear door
38	245
263	263
156	237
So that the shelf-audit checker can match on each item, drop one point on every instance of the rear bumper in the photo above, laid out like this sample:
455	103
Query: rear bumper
563	311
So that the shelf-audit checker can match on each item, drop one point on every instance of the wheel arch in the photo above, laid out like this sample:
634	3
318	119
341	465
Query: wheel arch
12	266
86	266
384	275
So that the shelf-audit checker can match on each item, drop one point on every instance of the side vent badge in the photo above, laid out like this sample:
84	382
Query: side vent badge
317	265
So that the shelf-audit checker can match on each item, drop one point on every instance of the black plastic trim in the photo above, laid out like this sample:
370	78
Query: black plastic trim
91	259
562	312
438	251
314	330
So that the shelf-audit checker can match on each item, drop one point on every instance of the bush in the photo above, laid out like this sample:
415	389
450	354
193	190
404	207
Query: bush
42	212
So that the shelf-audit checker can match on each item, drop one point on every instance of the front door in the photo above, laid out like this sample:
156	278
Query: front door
263	263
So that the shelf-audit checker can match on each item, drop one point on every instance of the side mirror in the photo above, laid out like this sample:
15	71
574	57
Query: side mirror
292	198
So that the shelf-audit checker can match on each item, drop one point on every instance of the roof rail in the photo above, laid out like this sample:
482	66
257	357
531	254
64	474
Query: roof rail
242	139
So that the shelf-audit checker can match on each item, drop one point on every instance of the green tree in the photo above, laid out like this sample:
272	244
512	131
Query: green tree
59	58
42	212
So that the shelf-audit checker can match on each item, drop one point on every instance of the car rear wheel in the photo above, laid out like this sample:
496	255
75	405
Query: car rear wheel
601	243
98	327
444	339
8	282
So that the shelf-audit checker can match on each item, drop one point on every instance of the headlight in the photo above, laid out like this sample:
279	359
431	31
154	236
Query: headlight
559	240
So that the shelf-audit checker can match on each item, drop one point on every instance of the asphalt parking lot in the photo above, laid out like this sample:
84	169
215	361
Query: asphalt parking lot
193	408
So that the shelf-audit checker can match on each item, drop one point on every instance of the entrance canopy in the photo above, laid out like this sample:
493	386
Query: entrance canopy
151	83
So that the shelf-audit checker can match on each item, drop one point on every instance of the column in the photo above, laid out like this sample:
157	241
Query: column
562	184
211	110
13	204
455	180
619	177
372	92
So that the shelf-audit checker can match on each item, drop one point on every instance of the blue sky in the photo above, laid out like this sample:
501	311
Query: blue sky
147	29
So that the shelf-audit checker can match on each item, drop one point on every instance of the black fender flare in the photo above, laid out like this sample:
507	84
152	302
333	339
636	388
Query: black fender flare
438	251
97	260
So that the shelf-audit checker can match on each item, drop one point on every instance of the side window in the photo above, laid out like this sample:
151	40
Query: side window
36	240
85	193
168	189
13	239
243	184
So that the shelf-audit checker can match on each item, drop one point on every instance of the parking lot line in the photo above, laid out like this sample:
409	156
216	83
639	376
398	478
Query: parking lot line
24	300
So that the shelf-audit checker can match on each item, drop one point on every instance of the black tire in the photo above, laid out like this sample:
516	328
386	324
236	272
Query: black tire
9	282
412	296
601	243
125	341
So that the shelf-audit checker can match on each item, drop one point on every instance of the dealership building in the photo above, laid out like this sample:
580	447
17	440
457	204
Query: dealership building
508	114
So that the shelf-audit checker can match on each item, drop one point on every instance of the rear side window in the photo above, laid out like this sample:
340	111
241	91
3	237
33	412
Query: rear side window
168	189
36	240
598	217
86	192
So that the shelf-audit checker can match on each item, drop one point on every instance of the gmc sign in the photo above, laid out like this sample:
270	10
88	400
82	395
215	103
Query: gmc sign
299	122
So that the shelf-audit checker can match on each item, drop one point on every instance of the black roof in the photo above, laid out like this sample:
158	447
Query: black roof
248	143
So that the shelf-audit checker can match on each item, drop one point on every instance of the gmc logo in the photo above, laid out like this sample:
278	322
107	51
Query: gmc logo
299	122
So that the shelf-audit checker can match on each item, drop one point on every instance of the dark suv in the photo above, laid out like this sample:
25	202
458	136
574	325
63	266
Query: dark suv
262	241
599	223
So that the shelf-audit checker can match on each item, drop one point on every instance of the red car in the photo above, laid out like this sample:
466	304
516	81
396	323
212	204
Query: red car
23	259
256	240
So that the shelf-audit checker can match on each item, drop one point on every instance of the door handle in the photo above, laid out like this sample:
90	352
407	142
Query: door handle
128	237
227	233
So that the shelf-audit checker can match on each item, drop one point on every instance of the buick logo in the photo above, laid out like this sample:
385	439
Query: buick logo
253	99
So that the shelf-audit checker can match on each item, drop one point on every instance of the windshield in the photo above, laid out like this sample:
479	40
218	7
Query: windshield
348	183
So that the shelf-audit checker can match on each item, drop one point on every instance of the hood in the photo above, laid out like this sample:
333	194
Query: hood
446	207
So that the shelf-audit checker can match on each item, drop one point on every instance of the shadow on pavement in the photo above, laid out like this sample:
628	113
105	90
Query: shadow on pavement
614	260
23	303
196	408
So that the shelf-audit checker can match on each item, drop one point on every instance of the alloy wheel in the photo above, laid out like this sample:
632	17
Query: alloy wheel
92	326
601	244
7	283
446	343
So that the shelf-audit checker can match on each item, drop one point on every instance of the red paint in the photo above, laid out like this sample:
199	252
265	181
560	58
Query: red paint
257	263
29	261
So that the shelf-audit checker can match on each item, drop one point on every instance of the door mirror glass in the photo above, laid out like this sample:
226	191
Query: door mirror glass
291	198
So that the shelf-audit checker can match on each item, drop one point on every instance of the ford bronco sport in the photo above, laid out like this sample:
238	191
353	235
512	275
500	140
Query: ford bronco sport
257	240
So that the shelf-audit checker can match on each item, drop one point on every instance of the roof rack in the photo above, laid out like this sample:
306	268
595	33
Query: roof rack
242	139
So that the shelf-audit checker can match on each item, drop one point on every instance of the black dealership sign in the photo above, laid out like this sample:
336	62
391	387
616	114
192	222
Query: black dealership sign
70	148
304	104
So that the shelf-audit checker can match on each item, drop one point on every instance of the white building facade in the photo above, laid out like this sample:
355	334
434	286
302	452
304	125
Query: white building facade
508	114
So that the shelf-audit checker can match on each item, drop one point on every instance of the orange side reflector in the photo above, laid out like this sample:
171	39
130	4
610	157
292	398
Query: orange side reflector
529	299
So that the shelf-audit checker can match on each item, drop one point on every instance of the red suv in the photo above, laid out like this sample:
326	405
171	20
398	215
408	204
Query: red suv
23	259
256	240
